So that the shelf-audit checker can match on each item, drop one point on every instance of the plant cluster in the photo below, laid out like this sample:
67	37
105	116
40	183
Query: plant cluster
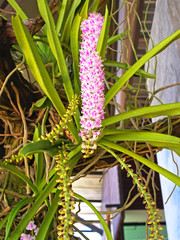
60	149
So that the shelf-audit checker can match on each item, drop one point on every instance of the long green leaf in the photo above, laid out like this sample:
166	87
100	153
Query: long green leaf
139	135
20	174
43	230
172	177
155	139
35	63
67	27
14	212
38	69
41	146
18	10
101	219
58	53
146	112
3	222
95	5
117	37
103	38
61	15
40	199
140	72
56	46
74	35
127	75
84	11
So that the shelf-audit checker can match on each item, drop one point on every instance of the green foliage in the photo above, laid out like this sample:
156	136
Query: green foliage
101	219
14	212
172	177
39	201
19	174
127	75
102	42
145	112
18	10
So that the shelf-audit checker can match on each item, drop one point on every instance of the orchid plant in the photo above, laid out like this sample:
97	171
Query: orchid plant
83	130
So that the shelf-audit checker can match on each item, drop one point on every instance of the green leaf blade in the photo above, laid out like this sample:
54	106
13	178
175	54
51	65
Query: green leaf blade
169	109
171	176
74	35
101	219
14	212
40	199
18	10
39	71
103	38
127	75
19	174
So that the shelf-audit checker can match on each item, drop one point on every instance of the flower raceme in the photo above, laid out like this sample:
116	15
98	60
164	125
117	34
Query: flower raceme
92	83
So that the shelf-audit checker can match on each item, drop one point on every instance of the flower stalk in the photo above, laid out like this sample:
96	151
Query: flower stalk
66	202
63	124
153	219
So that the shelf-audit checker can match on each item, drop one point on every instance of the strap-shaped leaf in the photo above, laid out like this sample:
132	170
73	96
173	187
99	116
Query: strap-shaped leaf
68	23
74	35
95	5
41	146
19	174
140	72
3	221
156	139
18	10
38	69
103	38
169	109
127	75
56	48
43	230
39	158
61	16
171	176
84	11
30	214
14	212
117	37
35	64
101	219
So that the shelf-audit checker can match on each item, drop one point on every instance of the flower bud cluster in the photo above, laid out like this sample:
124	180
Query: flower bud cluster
92	83
59	128
14	158
153	219
66	202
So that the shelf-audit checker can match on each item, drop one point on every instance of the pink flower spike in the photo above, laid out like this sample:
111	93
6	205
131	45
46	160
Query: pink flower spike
31	226
92	80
